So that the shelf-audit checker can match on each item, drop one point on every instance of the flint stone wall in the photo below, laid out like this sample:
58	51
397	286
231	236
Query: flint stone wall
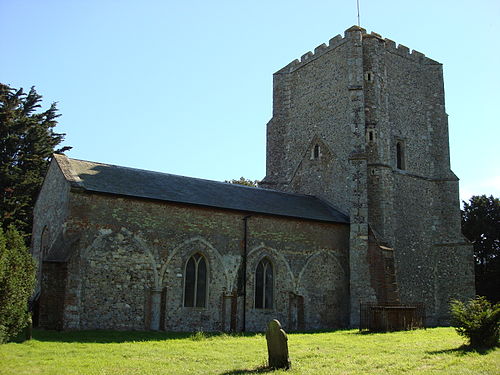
356	99
130	249
50	213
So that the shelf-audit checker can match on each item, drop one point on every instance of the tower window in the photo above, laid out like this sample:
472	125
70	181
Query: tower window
316	152
195	282
264	285
371	135
400	155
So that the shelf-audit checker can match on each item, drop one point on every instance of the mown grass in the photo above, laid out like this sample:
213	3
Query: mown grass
431	351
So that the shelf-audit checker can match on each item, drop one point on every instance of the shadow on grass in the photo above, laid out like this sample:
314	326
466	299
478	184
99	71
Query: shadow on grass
105	337
367	332
462	350
258	370
108	336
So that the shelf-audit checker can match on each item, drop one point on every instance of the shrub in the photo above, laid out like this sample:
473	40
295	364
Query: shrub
17	279
477	320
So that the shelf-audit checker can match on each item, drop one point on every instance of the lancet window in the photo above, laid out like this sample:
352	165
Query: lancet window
264	284
195	282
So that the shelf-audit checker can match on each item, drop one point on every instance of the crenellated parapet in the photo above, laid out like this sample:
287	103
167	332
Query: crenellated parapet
319	51
337	41
403	51
360	122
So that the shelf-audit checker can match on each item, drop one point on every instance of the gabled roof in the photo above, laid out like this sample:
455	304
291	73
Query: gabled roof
112	179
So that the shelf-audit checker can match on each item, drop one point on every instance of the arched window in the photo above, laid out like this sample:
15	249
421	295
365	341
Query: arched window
264	285
195	282
400	155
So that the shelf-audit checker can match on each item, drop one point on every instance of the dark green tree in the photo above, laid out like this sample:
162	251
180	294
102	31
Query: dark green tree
477	320
17	280
27	140
481	225
243	181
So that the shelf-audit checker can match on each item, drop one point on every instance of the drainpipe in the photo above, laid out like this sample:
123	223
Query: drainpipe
244	264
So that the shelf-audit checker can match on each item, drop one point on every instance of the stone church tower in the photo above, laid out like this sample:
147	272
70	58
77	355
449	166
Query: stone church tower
361	123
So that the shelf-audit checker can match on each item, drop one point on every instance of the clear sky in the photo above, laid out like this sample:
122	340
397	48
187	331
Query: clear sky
185	87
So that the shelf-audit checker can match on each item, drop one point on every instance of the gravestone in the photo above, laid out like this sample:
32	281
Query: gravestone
277	345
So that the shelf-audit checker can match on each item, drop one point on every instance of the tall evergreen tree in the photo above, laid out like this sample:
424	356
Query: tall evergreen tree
27	140
17	280
481	225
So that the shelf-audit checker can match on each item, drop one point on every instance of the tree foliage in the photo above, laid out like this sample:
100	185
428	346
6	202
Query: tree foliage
243	181
17	280
481	225
477	320
27	140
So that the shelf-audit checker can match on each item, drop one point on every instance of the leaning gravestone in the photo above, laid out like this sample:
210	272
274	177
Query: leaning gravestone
277	346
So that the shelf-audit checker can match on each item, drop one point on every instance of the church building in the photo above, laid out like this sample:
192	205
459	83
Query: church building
358	206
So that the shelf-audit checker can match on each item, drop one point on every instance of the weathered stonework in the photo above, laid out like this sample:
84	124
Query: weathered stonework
361	125
127	269
356	99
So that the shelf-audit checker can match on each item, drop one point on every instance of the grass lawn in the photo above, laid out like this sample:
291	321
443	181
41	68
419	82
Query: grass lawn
431	351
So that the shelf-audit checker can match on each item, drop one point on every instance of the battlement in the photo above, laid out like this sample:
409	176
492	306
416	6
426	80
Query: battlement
310	56
403	51
353	32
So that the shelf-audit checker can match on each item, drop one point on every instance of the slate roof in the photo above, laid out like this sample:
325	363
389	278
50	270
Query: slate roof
112	179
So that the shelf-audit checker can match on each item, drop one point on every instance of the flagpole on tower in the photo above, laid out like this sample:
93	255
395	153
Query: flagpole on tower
357	3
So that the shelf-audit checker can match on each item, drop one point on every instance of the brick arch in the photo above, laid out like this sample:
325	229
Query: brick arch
137	241
312	258
210	253
177	316
112	289
284	283
258	253
327	306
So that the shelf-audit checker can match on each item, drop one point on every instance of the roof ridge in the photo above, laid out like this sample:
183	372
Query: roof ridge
237	186
141	183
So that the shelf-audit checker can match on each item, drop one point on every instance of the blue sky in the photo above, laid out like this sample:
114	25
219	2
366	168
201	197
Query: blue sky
185	87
